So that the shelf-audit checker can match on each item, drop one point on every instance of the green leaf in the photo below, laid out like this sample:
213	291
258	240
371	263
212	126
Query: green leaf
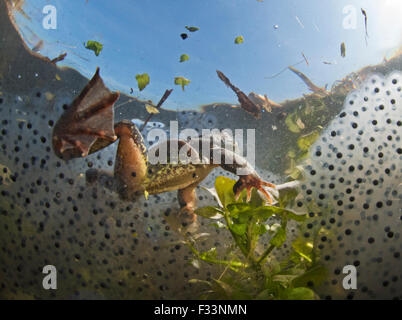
184	57
261	229
317	275
142	80
210	254
291	123
192	29
239	40
236	209
209	212
300	294
303	248
279	238
305	142
239	229
224	189
181	81
95	46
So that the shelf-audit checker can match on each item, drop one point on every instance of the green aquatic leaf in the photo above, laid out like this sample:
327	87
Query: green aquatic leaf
300	294
291	122
192	29
209	212
224	189
306	141
142	80
211	254
317	275
303	248
181	81
184	57
239	40
239	229
279	238
95	46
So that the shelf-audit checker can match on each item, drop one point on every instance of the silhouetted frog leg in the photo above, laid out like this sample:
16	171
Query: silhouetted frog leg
87	124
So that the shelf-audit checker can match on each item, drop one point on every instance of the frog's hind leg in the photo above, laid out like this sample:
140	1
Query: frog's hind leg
187	199
130	167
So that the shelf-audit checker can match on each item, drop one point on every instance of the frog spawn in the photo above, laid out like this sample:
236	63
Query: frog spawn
101	246
106	248
352	189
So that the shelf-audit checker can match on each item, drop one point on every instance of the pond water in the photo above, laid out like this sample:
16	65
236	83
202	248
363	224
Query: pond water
305	96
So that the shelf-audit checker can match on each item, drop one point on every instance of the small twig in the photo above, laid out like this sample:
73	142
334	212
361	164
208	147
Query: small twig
161	101
59	58
283	70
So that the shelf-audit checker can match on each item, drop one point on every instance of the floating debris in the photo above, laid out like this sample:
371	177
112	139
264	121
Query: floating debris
343	50
95	46
192	29
59	58
184	36
181	81
38	46
276	26
158	106
239	40
142	80
305	59
245	102
184	57
300	23
365	23
151	109
307	81
263	101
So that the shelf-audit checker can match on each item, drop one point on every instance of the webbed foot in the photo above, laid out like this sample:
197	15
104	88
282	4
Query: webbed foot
249	182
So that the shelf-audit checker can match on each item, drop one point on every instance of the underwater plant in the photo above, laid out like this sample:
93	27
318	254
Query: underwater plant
251	270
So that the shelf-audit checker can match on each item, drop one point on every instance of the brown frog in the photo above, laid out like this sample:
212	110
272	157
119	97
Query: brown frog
87	126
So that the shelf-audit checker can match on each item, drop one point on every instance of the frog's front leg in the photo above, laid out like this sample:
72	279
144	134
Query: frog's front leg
248	177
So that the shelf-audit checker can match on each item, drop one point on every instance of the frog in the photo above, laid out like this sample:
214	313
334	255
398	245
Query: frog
87	126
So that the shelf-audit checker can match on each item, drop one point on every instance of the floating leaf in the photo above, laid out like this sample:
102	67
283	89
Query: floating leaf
95	46
181	81
142	80
151	109
192	29
239	40
184	57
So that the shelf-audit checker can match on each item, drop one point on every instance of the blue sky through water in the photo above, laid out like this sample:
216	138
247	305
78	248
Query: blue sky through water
144	36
